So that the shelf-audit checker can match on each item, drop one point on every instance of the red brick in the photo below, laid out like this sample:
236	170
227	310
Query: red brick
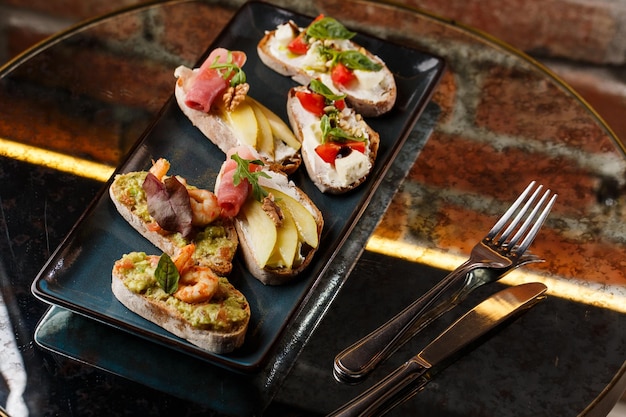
445	96
454	162
394	221
585	30
76	10
19	39
602	90
531	107
591	260
194	42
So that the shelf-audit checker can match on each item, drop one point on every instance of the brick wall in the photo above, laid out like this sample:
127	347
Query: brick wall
583	41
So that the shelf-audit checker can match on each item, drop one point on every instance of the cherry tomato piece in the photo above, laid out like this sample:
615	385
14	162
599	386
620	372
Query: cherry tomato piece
329	150
342	75
312	102
298	46
356	146
340	104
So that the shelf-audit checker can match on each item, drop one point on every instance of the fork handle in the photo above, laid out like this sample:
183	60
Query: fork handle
358	360
382	396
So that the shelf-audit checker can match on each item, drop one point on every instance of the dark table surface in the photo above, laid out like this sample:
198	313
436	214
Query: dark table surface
72	108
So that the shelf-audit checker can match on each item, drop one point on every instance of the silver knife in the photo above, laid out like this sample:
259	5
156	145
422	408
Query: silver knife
413	375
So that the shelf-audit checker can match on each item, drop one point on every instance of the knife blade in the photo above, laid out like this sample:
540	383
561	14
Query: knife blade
414	374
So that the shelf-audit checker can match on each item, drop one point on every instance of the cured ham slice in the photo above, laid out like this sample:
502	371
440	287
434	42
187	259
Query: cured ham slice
230	197
208	83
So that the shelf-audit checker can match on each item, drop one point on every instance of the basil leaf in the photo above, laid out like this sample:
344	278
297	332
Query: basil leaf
166	274
335	134
320	88
328	28
356	60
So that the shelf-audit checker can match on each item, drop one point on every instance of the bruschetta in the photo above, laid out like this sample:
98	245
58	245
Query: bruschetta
278	226
324	50
215	98
189	300
172	214
339	148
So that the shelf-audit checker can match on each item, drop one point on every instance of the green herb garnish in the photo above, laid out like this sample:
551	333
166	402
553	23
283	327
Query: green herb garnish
320	88
228	69
243	172
167	274
352	59
328	28
334	133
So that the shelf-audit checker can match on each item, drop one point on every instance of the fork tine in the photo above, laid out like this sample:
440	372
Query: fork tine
528	240
520	232
505	235
502	221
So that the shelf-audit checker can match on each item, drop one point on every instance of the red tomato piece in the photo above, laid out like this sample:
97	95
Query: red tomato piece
356	146
340	104
298	46
342	75
312	102
329	150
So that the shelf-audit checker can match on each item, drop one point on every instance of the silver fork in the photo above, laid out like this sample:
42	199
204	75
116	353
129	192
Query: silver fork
499	252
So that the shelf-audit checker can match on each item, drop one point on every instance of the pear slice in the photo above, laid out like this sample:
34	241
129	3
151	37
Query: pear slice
287	242
265	137
261	230
244	123
305	222
280	129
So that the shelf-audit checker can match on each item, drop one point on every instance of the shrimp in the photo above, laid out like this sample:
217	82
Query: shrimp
197	284
204	207
184	258
160	168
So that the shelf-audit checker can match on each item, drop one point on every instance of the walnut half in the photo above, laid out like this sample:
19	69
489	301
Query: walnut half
235	95
273	211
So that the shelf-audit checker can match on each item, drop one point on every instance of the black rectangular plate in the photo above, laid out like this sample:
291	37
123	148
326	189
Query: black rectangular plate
78	275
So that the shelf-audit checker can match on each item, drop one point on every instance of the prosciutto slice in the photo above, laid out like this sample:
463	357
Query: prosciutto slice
230	197
208	83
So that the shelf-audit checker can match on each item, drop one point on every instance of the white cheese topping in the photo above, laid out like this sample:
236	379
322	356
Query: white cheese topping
345	171
369	85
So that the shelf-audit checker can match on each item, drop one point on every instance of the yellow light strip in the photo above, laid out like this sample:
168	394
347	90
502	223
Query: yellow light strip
55	160
604	296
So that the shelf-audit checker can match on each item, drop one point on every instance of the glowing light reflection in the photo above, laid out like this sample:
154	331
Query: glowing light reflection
55	160
596	294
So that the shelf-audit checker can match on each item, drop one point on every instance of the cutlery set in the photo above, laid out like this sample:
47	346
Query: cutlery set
502	250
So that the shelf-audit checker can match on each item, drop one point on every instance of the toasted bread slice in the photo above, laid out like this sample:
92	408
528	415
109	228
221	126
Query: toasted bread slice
279	234
216	243
335	167
370	92
249	123
218	325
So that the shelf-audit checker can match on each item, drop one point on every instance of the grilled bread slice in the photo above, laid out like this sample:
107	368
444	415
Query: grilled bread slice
217	323
324	50
215	240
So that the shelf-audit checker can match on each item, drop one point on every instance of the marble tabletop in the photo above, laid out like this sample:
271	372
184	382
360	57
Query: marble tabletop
497	120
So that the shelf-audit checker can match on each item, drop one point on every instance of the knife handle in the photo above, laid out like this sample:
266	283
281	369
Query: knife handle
385	394
358	360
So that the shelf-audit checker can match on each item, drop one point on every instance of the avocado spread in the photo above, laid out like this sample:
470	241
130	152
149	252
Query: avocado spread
210	241
225	312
